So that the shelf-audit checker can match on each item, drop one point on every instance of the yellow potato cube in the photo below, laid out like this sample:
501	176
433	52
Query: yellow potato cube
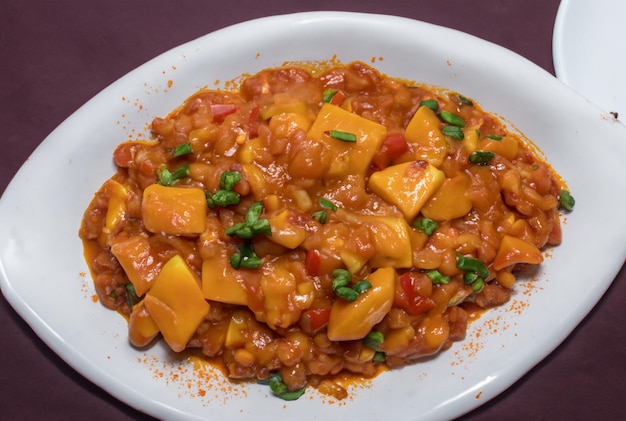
221	282
351	320
116	210
424	132
349	157
408	185
449	201
284	231
138	261
141	327
175	303
174	210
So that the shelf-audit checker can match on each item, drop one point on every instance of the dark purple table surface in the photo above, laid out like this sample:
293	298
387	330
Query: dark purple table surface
57	55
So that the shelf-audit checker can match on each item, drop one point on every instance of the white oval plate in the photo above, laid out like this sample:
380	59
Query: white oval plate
588	50
43	271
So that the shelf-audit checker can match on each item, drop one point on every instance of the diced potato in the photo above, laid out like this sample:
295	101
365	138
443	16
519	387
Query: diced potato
424	132
175	303
514	250
138	261
353	261
255	178
391	237
284	231
408	185
174	210
449	201
116	211
235	335
283	103
470	140
354	320
221	282
348	157
506	147
141	327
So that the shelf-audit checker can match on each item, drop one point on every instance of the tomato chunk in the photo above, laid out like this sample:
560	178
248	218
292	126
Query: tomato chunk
220	111
411	300
393	147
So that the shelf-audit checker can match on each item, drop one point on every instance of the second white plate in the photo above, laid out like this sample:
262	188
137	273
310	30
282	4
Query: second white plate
588	47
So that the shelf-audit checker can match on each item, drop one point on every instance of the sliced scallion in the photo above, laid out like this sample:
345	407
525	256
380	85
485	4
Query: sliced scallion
343	136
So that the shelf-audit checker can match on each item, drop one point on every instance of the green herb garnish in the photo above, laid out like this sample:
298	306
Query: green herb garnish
454	132
426	225
279	388
566	200
181	150
343	136
452	119
481	157
433	104
167	178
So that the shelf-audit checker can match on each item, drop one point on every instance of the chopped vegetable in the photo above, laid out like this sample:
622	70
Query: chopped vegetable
181	150
279	388
374	339
245	258
493	137
430	103
454	132
341	288
321	215
566	200
453	119
253	225
167	178
481	157
343	136
437	277
426	225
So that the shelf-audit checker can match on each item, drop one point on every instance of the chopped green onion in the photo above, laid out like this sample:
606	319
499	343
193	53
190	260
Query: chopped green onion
341	288
362	286
320	216
454	132
433	104
167	178
224	198
566	200
253	225
470	277
131	295
481	157
453	119
373	339
478	285
493	137
245	258
346	293
328	95
183	149
327	204
469	264
426	225
437	277
279	388
379	357
465	101
343	136
228	179
341	278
